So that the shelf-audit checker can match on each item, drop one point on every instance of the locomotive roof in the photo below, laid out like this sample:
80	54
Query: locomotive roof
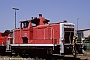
35	20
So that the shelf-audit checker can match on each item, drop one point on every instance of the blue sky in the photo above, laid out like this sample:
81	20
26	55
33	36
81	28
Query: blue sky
55	10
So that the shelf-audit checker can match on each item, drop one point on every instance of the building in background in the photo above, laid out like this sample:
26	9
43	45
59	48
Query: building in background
85	33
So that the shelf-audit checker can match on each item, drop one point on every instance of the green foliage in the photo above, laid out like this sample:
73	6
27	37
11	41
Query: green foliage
6	32
88	38
88	44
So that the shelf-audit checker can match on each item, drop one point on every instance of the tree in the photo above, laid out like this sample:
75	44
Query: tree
88	44
88	38
7	32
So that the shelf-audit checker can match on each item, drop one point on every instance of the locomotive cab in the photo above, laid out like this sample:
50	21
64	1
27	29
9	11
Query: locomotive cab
66	37
67	33
36	21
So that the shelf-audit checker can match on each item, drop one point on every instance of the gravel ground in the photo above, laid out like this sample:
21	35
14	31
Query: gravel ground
86	55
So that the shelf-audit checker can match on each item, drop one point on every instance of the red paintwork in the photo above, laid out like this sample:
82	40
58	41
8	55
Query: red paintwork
37	35
41	20
3	39
41	34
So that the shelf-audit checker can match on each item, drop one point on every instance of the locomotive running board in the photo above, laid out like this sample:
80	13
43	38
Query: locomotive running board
33	44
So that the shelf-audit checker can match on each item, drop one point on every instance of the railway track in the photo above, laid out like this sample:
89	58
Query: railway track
54	57
40	57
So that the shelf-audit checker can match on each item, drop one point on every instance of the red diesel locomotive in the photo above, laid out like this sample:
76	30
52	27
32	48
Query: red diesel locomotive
37	36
